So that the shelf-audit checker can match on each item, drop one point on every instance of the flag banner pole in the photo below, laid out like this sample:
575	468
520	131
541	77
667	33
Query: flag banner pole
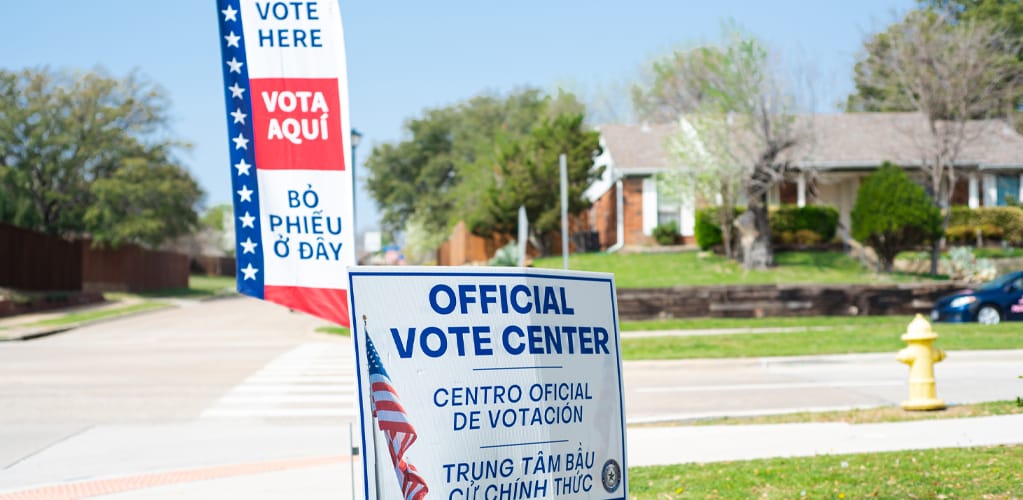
286	96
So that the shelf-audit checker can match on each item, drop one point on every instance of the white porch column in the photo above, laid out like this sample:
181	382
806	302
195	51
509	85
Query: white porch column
687	215
990	190
974	191
801	190
1019	197
649	205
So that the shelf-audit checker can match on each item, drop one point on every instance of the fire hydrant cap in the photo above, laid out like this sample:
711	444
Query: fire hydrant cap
919	329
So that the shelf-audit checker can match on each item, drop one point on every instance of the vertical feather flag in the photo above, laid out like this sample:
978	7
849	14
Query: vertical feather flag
286	91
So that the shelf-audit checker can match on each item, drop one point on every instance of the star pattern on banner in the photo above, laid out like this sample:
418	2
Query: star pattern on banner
248	246
247	220
243	168
232	39
250	258
235	65
241	142
245	194
236	91
249	271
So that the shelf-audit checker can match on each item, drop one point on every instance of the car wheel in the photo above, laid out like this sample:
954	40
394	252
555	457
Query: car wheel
989	315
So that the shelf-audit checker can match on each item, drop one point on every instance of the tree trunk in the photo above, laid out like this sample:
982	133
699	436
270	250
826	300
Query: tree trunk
755	233
725	219
761	255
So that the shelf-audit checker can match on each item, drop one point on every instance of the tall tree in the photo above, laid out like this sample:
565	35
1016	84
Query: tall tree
441	173
527	175
707	169
950	71
65	139
673	85
739	115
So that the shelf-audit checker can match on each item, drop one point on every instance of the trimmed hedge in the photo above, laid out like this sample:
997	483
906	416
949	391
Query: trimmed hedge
790	225
1005	223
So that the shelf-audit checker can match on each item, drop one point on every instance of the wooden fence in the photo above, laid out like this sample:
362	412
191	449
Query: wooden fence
130	268
35	261
213	266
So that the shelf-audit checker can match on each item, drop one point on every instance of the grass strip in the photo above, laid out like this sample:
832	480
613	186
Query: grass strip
842	336
994	472
864	416
335	330
97	314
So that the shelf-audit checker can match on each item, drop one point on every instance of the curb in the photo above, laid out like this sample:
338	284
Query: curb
39	332
97	487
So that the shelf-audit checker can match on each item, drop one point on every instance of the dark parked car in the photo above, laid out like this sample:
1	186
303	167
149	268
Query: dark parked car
998	300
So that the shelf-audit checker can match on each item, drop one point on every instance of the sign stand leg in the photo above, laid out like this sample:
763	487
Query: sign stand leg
354	452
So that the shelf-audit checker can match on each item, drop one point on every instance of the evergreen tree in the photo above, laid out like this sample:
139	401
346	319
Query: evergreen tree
892	214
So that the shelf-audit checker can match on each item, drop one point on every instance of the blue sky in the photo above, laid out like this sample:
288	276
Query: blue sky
405	56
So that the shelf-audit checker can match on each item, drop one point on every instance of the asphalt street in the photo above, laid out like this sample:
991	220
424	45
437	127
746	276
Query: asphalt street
239	381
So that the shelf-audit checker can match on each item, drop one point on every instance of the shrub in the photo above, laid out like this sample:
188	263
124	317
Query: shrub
960	234
665	233
892	214
707	229
822	220
1006	221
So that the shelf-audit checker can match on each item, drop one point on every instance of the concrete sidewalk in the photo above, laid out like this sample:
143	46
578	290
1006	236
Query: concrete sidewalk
313	476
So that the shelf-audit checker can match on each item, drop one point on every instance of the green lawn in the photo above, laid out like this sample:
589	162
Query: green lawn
824	335
870	415
991	472
98	314
701	268
335	330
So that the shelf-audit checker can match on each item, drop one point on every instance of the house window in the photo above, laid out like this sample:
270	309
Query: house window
1007	189
669	205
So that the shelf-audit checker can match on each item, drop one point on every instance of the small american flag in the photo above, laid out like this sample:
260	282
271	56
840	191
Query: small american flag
394	423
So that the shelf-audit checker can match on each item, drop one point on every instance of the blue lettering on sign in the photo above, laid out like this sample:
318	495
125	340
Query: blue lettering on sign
289	37
520	298
314	224
515	340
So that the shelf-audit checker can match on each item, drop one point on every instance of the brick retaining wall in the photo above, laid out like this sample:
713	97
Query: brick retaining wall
756	301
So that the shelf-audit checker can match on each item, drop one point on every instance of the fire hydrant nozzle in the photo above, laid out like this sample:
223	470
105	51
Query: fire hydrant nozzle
921	355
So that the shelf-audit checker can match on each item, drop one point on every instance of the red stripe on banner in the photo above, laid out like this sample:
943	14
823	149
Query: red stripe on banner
327	303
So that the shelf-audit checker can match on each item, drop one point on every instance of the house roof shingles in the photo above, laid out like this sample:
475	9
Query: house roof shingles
849	140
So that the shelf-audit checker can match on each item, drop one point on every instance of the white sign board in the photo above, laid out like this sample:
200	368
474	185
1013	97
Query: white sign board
488	383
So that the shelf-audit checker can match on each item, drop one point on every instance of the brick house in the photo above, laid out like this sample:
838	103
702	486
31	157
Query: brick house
826	169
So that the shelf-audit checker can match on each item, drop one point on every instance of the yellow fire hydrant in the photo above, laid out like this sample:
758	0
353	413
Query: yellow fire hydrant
921	355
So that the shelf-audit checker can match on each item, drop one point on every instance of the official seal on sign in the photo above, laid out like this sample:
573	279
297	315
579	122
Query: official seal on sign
611	475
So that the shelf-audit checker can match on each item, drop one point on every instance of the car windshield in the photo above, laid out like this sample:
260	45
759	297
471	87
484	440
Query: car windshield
998	282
